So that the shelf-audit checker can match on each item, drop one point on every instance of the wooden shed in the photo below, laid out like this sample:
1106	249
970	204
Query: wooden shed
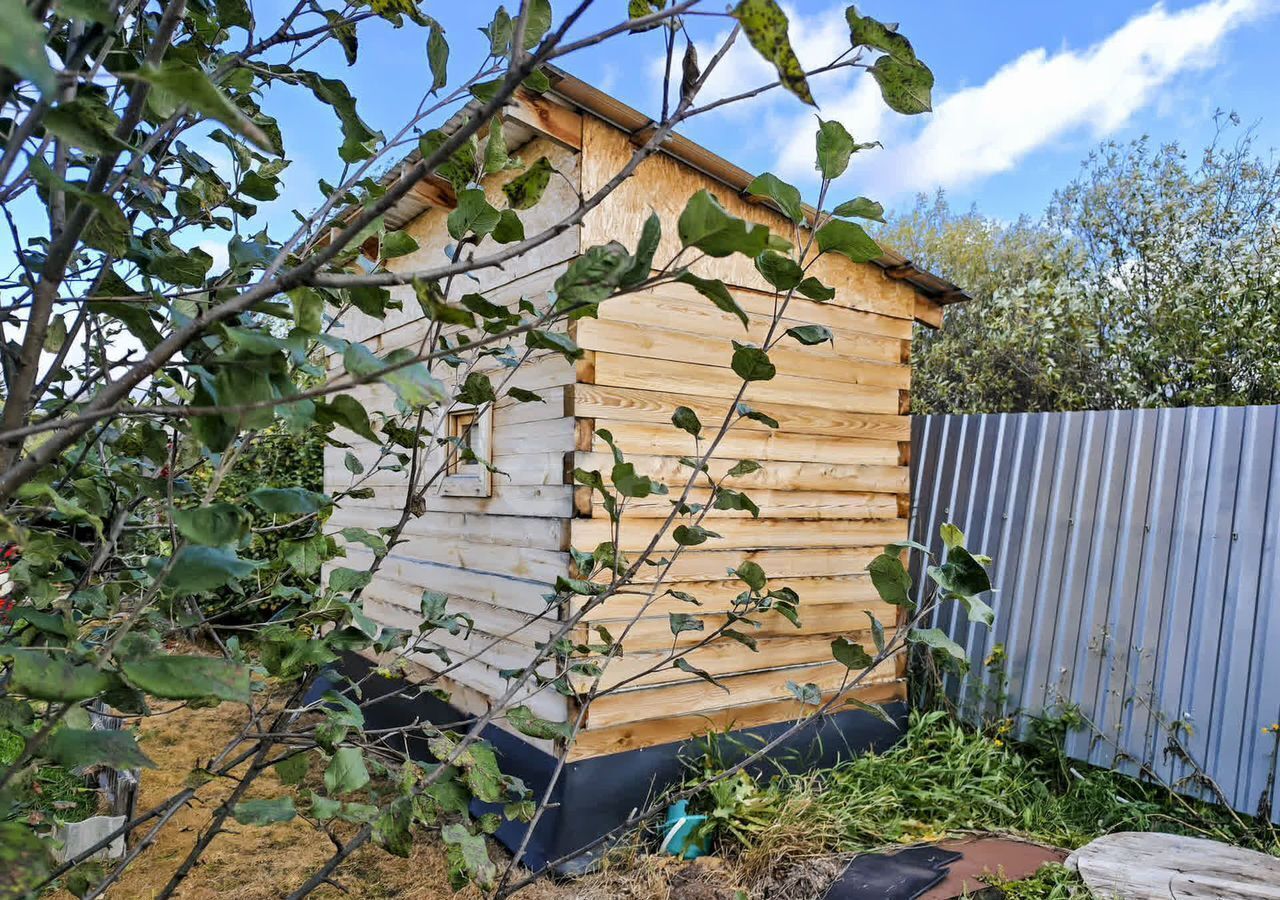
832	490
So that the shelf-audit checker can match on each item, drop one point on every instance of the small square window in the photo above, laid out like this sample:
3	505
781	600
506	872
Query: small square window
467	436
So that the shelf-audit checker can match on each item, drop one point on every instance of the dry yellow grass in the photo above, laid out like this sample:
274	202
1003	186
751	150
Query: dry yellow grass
265	863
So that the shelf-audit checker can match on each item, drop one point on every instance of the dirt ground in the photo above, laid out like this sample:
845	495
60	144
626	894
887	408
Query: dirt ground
265	863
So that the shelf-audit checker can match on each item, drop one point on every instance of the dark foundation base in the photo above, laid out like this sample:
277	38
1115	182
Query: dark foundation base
596	795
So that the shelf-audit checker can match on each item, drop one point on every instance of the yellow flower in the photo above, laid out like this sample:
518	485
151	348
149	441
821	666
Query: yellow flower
998	742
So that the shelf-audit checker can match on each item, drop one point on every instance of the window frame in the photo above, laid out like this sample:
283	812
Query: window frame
464	479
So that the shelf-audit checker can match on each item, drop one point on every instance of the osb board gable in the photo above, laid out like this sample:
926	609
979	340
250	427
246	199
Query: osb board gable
663	184
432	235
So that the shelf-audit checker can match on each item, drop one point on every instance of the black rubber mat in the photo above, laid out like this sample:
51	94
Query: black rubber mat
892	876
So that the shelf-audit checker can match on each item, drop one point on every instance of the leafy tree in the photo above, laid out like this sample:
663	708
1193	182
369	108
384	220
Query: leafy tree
1152	280
1026	341
142	379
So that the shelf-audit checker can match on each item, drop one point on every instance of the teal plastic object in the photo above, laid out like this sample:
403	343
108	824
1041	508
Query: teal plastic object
678	833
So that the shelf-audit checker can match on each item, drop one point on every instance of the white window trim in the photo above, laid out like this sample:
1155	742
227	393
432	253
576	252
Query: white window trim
463	479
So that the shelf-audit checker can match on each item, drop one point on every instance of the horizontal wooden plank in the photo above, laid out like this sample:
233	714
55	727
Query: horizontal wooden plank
492	651
654	632
522	628
750	534
534	532
792	359
741	443
723	657
777	475
743	690
676	376
706	563
657	406
858	334
853	591
779	504
550	500
506	591
602	741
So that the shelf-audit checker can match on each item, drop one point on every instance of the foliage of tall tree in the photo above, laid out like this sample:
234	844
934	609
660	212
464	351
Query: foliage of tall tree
137	370
1152	280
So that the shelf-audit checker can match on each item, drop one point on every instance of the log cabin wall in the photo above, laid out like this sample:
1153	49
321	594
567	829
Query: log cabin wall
832	491
493	556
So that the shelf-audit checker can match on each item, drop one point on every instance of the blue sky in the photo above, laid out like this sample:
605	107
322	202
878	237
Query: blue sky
1024	90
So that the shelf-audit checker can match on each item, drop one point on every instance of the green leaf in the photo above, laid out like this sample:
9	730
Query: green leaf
86	122
174	83
811	334
264	812
891	580
292	769
809	694
756	416
215	525
850	655
951	535
344	32
22	46
398	243
744	467
691	535
707	226
816	290
476	390
865	31
766	27
862	208
56	336
848	239
308	309
363	536
907	88
98	11
646	247
473	215
438	57
252	184
685	666
686	420
835	146
460	168
468	857
537	22
50	675
526	722
629	484
305	556
83	748
496	158
784	195
294	501
782	272
751	573
682	622
197	570
729	499
346	772
751	363
345	581
509	229
526	189
936	639
715	291
357	137
348	412
188	677
877	632
961	574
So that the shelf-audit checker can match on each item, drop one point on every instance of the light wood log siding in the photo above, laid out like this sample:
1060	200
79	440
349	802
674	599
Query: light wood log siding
832	491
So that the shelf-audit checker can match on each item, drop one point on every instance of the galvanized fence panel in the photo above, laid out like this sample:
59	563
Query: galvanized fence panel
1136	560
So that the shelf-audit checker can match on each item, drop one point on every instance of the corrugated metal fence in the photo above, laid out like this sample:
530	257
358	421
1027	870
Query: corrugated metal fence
1136	572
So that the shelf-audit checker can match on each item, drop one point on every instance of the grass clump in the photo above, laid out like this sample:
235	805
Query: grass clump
946	778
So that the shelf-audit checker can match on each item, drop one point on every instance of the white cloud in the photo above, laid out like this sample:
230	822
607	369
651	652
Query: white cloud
1039	98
